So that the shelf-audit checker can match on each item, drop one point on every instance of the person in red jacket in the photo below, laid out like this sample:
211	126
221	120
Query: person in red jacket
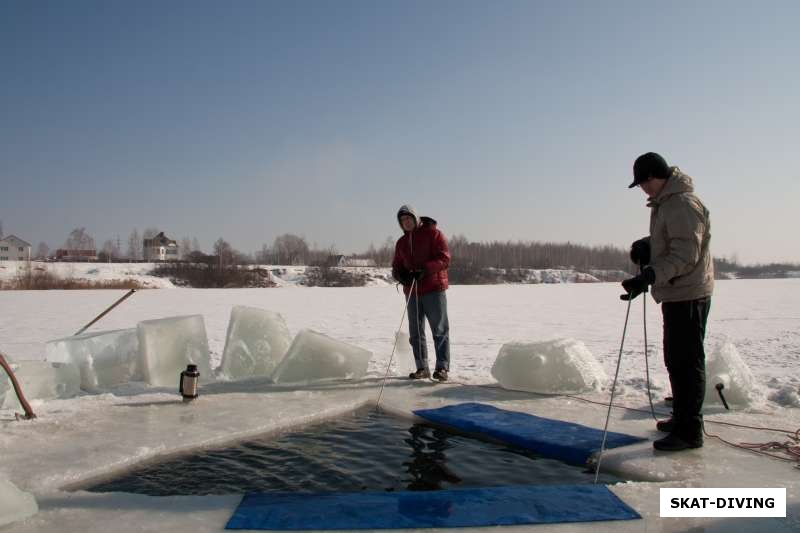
421	259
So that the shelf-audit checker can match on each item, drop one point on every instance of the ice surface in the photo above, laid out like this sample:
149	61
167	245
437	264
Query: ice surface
106	359
15	504
725	365
256	342
42	380
167	345
551	367
314	356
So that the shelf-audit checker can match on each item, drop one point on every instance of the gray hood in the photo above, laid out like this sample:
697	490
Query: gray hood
407	210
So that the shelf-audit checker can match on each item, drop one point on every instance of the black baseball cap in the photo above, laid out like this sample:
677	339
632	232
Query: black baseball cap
649	165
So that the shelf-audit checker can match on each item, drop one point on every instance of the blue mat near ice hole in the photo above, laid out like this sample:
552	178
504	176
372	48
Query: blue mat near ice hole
492	506
556	439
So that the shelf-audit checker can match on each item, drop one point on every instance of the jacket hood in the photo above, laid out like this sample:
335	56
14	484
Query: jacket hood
406	210
677	183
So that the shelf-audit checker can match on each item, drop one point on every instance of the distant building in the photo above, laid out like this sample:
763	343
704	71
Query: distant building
14	249
160	248
76	255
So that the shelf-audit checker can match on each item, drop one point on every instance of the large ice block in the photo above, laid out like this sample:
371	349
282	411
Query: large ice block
313	356
257	341
552	367
43	380
725	365
106	359
15	504
167	345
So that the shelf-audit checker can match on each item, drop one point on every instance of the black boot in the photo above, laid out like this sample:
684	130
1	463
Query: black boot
422	373
674	443
665	426
440	374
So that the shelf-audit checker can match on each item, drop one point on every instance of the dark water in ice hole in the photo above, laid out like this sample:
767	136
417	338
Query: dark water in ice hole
366	450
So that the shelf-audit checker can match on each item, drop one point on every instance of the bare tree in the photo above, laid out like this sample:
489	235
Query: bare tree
196	245
42	251
224	252
79	239
109	251
265	255
290	249
134	245
185	247
1	229
149	233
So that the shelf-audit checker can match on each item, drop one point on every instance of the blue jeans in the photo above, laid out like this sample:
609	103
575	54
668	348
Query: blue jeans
432	306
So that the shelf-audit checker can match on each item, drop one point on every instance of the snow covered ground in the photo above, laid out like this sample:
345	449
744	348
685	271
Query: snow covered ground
83	437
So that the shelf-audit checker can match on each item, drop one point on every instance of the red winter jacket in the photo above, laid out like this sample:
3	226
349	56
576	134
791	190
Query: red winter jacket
424	247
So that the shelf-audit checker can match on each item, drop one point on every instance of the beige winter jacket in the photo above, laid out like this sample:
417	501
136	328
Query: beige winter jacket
680	232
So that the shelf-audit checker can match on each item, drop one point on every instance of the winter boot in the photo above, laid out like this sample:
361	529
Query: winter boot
665	426
422	373
440	374
674	443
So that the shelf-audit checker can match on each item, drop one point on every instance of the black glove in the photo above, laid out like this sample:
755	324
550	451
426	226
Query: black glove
402	275
419	274
640	252
637	285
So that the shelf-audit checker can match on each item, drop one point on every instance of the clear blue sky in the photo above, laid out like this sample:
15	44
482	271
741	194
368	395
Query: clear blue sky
501	119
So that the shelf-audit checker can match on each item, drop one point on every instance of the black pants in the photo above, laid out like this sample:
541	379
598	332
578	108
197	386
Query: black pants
685	358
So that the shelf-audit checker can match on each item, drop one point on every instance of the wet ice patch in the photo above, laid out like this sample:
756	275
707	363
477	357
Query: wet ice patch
552	367
725	365
256	342
314	356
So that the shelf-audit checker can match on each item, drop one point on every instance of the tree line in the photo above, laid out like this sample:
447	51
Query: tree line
471	258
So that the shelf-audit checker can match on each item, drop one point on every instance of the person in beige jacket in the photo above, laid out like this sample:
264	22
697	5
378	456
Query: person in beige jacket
676	261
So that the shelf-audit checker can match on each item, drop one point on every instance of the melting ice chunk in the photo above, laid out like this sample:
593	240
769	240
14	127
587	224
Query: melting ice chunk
15	504
106	359
551	367
256	342
314	356
42	380
167	345
725	365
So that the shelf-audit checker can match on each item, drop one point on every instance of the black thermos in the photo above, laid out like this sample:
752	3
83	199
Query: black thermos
188	384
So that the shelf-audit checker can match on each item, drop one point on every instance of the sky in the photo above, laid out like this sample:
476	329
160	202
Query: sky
503	120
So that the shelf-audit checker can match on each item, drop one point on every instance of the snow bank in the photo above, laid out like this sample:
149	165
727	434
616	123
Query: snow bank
725	365
15	504
561	366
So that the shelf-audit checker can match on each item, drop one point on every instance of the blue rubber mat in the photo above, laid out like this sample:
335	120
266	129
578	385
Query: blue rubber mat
493	506
565	441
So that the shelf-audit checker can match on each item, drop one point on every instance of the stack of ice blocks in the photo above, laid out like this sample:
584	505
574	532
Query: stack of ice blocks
256	343
315	356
